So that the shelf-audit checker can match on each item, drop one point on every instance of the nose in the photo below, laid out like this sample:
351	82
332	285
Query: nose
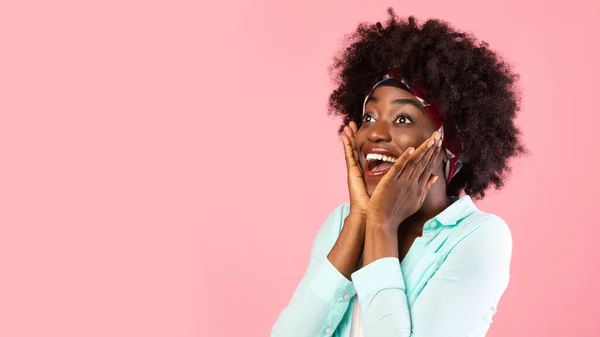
380	132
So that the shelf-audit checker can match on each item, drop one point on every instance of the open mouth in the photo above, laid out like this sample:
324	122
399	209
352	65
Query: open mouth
378	164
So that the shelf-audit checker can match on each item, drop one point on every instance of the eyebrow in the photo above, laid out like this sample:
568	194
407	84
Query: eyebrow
400	101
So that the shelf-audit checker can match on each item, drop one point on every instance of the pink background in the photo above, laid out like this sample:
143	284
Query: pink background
165	165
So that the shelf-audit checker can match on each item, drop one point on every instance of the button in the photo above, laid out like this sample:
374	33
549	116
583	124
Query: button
328	331
347	297
433	224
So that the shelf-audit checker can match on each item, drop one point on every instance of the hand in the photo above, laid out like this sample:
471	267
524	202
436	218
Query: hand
359	198
402	190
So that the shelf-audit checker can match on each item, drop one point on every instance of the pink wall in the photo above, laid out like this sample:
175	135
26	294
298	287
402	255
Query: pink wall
166	165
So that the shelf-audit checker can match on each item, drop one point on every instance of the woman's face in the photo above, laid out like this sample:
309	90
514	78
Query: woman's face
394	120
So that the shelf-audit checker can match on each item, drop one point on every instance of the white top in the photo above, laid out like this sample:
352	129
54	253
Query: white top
356	326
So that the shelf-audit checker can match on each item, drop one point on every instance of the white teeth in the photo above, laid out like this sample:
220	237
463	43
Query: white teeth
376	156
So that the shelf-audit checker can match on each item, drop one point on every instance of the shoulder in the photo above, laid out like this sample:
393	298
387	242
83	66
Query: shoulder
485	237
485	225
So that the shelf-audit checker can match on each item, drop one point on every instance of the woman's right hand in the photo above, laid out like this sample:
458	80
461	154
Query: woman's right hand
356	184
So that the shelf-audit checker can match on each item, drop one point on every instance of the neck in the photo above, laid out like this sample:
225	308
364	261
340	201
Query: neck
435	202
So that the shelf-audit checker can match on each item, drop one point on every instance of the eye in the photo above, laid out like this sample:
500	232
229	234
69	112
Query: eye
402	119
367	118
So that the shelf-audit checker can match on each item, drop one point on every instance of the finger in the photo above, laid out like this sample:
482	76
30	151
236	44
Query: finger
352	138
354	127
349	152
350	131
356	157
430	183
434	163
432	179
426	163
399	165
425	148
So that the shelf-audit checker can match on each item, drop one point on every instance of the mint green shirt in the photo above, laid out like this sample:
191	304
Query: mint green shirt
449	283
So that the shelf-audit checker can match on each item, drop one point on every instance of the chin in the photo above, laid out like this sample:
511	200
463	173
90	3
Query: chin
370	186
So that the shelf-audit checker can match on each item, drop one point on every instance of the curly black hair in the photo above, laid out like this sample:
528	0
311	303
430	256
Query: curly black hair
475	88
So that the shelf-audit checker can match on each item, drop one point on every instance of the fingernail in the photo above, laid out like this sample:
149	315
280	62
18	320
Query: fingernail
430	143
437	135
411	150
434	180
439	143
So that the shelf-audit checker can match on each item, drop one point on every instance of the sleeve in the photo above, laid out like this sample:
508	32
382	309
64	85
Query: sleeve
459	300
322	297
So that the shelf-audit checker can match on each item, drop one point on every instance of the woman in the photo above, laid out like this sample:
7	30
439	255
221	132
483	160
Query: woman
408	256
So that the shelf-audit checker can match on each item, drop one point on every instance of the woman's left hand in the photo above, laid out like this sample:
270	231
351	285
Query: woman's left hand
402	190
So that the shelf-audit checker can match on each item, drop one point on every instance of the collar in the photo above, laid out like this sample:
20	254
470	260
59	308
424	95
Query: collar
458	210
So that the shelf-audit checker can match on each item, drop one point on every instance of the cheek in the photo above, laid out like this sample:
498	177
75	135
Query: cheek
406	139
360	137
